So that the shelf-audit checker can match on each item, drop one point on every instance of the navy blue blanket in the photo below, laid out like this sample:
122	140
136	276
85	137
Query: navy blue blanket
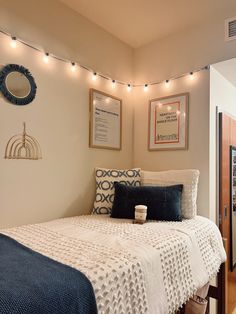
31	283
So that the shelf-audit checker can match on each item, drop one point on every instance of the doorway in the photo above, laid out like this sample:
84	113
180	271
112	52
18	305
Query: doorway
227	195
223	129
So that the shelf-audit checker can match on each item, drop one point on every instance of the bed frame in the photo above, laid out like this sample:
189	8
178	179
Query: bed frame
218	293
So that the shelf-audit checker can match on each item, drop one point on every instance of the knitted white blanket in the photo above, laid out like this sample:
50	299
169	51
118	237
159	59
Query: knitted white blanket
152	268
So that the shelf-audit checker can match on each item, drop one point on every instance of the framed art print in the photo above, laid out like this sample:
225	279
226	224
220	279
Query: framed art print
105	120
168	122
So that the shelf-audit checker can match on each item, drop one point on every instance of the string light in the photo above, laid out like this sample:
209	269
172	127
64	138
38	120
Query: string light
73	66
167	83
129	87
191	76
46	57
145	87
13	42
94	77
113	84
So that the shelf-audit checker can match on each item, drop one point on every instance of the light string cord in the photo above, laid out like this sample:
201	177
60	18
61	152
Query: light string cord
97	74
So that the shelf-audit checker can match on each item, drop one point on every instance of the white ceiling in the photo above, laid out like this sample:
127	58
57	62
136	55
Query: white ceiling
138	22
227	69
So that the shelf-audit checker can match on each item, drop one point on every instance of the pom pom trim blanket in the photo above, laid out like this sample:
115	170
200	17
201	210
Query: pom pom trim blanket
152	268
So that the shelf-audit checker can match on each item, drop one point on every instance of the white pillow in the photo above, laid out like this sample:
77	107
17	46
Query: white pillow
105	190
189	179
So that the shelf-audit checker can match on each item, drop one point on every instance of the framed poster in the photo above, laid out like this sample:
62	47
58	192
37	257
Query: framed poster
105	120
168	123
232	207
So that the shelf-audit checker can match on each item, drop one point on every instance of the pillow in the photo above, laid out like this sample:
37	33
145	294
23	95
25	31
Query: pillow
163	203
189	179
105	186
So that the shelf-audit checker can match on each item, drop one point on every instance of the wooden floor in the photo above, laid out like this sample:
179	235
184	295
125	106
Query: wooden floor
232	293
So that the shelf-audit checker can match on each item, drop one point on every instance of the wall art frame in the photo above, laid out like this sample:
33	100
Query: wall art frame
105	123
168	123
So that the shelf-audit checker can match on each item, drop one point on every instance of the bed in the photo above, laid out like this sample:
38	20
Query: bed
151	268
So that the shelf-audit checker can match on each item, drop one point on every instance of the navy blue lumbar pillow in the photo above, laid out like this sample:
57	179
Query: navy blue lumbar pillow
163	202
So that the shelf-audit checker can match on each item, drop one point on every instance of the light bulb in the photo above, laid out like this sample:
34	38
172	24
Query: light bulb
73	67
94	77
113	84
191	75
13	42
46	57
167	83
145	87
129	87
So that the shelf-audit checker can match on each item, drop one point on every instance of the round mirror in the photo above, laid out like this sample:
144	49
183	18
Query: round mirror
17	84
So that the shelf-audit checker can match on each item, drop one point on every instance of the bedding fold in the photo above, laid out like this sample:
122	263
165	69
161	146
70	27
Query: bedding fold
31	283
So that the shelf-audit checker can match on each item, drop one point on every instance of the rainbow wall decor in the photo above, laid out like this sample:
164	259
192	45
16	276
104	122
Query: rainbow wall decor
23	146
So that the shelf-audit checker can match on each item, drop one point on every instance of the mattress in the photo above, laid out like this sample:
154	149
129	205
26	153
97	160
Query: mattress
151	268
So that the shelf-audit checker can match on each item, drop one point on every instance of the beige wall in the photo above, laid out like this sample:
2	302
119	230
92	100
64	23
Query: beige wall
62	183
197	154
166	58
63	31
185	51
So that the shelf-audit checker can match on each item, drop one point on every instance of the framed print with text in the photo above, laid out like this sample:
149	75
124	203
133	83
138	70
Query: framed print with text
168	123
105	120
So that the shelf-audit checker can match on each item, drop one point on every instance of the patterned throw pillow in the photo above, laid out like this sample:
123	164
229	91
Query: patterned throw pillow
105	191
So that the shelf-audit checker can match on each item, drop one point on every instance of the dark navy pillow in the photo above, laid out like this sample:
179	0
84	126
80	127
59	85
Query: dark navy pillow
163	202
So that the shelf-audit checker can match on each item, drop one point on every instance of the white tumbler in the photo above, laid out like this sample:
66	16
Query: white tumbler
140	213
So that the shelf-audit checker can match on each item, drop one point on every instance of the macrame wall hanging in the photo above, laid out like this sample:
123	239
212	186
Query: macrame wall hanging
23	146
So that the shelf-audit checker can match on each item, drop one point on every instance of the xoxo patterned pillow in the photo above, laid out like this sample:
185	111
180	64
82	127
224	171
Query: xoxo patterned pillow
105	190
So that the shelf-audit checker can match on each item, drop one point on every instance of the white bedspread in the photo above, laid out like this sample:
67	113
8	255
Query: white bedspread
152	268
